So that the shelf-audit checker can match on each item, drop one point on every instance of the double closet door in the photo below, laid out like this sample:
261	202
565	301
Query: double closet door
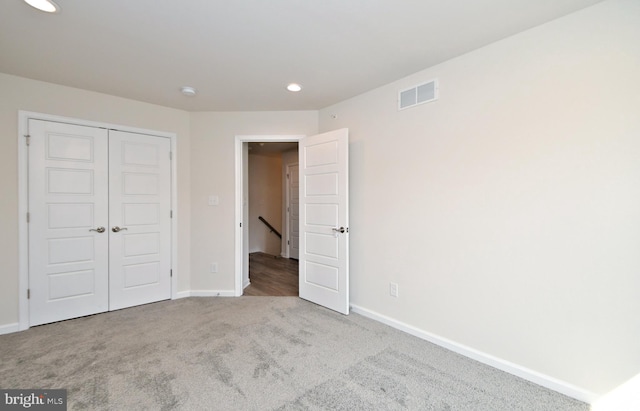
99	220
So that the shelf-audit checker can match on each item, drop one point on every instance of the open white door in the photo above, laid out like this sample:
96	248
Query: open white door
324	219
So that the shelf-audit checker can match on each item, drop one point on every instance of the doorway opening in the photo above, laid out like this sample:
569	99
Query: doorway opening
266	241
324	213
273	219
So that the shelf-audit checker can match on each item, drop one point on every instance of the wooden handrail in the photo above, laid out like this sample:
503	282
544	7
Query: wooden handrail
273	230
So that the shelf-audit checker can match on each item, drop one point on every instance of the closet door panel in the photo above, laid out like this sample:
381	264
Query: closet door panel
68	213
140	223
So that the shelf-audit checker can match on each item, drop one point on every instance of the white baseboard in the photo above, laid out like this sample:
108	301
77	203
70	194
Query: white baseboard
212	293
182	294
205	293
495	362
9	328
246	284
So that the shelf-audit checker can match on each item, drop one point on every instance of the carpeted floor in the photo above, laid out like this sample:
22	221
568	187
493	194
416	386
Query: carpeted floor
254	353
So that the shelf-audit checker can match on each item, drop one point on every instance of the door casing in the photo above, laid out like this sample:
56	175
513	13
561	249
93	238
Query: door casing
242	234
23	201
290	222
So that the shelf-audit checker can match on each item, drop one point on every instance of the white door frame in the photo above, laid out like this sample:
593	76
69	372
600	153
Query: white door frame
23	201
241	232
287	230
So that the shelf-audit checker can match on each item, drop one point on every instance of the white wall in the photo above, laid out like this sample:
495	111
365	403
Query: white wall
265	199
626	397
29	95
508	210
212	172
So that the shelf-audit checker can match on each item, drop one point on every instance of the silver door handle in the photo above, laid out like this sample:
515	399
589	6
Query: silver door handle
116	229
339	230
99	229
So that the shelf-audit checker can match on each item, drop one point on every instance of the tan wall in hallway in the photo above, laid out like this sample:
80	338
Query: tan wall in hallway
265	200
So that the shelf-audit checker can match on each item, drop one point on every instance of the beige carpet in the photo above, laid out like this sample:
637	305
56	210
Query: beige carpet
254	353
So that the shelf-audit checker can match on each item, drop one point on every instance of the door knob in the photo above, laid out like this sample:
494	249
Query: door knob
116	229
99	229
339	230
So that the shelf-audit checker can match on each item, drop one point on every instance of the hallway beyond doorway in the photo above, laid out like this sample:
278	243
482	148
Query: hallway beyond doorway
272	276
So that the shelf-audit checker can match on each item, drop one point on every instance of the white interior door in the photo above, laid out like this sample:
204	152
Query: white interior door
139	219
294	210
99	220
68	213
324	220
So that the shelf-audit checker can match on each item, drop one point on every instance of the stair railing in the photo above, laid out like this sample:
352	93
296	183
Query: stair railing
272	228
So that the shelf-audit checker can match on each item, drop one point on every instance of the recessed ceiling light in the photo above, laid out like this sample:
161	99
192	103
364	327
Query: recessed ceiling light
44	5
294	87
188	91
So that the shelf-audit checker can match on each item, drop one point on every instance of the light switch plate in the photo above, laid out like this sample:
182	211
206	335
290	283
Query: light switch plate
393	289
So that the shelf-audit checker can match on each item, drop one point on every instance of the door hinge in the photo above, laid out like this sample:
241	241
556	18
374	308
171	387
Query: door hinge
28	293
240	225
28	139
288	242
28	217
287	175
170	273
170	213
170	155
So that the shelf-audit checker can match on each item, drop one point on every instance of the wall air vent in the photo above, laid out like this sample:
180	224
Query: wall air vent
422	93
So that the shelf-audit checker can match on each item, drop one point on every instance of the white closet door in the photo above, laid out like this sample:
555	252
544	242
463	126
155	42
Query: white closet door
139	220
68	200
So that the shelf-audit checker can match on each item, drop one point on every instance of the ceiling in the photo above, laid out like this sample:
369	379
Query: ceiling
241	54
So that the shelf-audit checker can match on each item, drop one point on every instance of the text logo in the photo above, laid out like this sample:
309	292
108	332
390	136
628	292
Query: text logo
40	400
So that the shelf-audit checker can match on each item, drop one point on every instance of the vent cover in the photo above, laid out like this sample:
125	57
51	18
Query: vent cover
422	93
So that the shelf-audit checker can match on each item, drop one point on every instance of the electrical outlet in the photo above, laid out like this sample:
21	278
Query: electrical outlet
214	267
393	289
